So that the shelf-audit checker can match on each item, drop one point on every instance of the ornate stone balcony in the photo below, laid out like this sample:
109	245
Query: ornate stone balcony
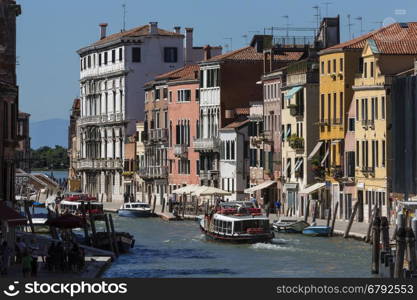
207	144
153	172
158	135
180	150
101	119
98	164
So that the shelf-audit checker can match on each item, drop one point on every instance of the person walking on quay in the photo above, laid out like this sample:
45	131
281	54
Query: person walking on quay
26	264
20	248
278	208
51	258
34	264
5	253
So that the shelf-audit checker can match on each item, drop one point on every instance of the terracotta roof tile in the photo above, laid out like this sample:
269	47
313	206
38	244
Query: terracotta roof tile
397	38
242	110
250	54
135	32
185	73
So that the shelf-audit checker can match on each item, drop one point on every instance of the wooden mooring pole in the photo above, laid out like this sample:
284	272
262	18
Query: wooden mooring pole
400	251
371	221
352	217
376	227
307	210
385	234
106	221
113	233
411	250
334	217
86	237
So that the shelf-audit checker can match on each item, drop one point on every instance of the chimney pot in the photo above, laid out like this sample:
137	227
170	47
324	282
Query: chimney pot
177	29
207	52
188	45
103	29
153	27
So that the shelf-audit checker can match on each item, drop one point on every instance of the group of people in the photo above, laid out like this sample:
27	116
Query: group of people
27	256
65	258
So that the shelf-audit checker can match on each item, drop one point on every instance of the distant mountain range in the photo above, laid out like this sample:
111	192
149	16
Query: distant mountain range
49	132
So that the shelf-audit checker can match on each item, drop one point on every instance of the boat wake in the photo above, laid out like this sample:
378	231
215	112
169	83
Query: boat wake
272	246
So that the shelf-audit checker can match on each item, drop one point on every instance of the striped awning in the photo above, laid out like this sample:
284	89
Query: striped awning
261	186
315	150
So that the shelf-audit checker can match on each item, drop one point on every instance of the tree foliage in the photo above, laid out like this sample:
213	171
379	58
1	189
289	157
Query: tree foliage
49	158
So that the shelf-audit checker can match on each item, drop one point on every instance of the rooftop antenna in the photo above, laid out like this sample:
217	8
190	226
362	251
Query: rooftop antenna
361	20
124	16
286	24
231	42
349	26
317	15
327	7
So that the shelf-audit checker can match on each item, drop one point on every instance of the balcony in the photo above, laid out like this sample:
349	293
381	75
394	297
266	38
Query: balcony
297	143
158	135
209	175
101	119
336	172
153	172
207	144
296	110
180	150
98	164
368	124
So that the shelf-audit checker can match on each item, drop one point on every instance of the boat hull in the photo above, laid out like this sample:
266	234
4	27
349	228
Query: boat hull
296	227
317	231
134	213
255	238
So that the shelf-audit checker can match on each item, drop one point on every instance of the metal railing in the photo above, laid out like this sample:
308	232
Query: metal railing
180	149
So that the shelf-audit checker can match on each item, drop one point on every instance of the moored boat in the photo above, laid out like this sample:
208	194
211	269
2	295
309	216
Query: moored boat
125	241
289	225
236	224
317	230
135	209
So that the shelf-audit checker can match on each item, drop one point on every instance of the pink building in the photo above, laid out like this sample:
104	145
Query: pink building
183	115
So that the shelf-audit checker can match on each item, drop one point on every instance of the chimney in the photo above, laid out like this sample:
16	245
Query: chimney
103	28
207	52
153	27
177	29
188	45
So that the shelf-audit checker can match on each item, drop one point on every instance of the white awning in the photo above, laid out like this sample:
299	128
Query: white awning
336	141
325	156
286	168
261	186
288	132
290	186
316	148
312	188
188	189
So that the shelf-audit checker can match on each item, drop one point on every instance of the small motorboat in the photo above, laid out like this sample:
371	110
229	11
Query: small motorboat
125	241
135	209
289	225
317	230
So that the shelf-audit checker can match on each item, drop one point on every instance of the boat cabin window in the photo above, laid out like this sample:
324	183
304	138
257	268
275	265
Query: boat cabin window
243	226
222	226
127	205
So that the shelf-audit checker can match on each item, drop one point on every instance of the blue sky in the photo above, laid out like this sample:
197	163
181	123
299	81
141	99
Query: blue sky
50	31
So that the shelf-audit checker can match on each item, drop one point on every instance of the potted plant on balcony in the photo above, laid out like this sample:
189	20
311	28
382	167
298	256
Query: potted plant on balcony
296	142
293	109
317	169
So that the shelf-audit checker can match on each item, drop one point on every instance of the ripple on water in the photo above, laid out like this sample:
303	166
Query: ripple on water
163	273
276	247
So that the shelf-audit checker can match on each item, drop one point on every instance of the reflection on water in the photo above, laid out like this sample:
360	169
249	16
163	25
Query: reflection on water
178	249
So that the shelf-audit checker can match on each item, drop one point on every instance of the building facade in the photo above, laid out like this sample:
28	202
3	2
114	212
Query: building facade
183	114
23	157
113	72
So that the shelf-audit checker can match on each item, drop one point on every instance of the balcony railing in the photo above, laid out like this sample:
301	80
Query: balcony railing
207	144
296	110
209	175
88	164
153	172
158	135
296	143
102	119
180	150
368	123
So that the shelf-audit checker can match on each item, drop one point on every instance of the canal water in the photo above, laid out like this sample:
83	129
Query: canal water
178	249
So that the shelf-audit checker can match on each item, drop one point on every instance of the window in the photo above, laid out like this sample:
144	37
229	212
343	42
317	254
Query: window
373	109
170	96
328	67
341	65
157	94
136	54
197	95
341	108
99	59
322	67
383	108
371	72
360	66
383	154
212	78
329	100
365	70
120	54
322	108
113	56
170	54
165	93
105	57
357	153
334	66
334	109
183	95
351	124
357	109
89	61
